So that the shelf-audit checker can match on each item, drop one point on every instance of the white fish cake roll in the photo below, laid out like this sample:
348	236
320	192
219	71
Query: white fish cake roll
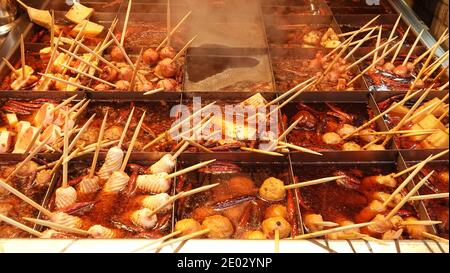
101	232
65	197
155	201
113	160
116	182
165	165
143	218
89	185
153	183
66	220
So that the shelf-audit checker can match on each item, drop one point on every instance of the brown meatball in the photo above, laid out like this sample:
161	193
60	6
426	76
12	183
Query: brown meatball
253	235
150	57
167	68
113	133
123	85
272	189
116	54
187	226
276	223
102	87
167	84
389	67
219	227
167	52
145	86
126	73
201	213
109	74
44	177
401	70
276	210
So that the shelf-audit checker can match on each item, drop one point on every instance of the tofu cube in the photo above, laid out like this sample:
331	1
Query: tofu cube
78	13
5	141
431	122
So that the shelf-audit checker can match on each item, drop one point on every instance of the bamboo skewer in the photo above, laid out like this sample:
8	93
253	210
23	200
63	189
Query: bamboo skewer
290	91
67	82
35	138
301	149
189	169
122	50
184	49
25	198
427	110
391	132
400	45
276	109
80	59
57	226
443	87
313	182
331	231
406	198
151	92
429	196
65	152
405	61
97	149
81	132
393	30
420	223
359	43
98	56
434	157
285	133
380	31
199	146
443	115
434	237
22	56
125	129
392	107
406	181
169	23
125	24
441	73
261	151
174	30
326	224
432	65
89	75
81	110
133	141
436	66
373	64
11	67
356	31
135	71
441	39
180	148
182	238
277	241
20	225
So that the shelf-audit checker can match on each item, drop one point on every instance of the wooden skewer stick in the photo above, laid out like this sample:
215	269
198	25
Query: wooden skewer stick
356	31
407	180
427	110
81	110
392	107
406	198
400	45
181	52
28	158
434	157
405	61
66	152
22	56
136	71
276	109
189	169
425	131
133	141
182	238
174	30
71	156
313	182
429	196
373	64
180	148
169	23
125	129
20	225
97	149
81	59
290	91
258	151
441	39
81	132
125	24
106	41
199	146
64	103
331	65
418	134
284	134
393	30
277	241
151	92
360	60
434	237
67	82
123	51
52	31
11	67
420	223
436	66
177	126
443	115
57	226
326	224
25	198
298	148
89	75
443	87
380	31
441	73
331	231
432	65
180	195
35	138
359	43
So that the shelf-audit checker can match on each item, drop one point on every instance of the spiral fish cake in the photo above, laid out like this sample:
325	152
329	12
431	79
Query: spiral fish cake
153	183
116	182
154	201
65	197
112	163
143	218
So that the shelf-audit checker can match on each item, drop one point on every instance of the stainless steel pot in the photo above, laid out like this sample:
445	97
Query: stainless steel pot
8	15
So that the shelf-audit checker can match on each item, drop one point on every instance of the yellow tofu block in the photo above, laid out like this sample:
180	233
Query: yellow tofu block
91	29
437	140
40	17
400	109
431	122
417	127
439	110
12	119
78	13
